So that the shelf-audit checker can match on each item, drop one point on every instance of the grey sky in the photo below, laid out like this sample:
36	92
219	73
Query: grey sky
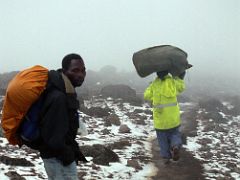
109	32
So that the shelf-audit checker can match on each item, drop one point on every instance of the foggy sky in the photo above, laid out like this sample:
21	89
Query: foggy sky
109	32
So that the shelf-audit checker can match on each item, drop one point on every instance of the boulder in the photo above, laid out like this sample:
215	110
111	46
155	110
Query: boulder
120	144
133	163
124	129
97	111
14	175
112	119
211	104
215	116
101	154
119	91
105	131
15	161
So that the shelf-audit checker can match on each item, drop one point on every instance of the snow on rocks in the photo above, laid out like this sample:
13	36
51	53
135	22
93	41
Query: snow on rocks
111	154
217	143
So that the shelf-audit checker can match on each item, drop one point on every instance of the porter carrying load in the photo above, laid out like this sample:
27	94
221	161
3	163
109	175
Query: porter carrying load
160	58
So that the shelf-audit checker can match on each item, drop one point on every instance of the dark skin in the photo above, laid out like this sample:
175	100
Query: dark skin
76	72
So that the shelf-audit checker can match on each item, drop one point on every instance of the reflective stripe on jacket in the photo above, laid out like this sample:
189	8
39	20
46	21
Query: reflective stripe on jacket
163	95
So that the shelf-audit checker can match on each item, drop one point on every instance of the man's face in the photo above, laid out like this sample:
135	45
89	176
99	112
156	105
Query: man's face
76	72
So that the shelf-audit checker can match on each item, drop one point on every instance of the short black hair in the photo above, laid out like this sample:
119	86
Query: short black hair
162	74
68	58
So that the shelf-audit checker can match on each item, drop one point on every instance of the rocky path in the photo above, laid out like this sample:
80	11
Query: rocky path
187	168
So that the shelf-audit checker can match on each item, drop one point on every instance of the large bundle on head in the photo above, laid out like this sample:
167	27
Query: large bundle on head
160	58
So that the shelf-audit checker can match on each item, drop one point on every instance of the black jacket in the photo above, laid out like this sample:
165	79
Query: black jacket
59	122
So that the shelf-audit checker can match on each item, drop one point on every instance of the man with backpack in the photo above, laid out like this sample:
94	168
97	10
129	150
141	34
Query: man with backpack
41	111
59	120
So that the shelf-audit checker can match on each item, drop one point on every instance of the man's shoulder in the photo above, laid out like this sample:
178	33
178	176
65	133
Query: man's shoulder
55	94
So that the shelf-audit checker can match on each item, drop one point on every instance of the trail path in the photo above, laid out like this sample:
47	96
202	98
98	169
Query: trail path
187	168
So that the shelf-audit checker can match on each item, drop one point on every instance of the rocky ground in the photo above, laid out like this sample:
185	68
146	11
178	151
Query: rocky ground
212	144
187	167
121	144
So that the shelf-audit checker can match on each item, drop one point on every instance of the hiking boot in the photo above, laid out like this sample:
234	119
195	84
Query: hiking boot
175	153
166	161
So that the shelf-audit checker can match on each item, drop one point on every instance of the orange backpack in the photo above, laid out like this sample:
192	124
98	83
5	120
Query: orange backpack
22	91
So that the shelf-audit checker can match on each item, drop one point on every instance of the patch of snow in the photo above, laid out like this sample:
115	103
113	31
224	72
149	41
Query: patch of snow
228	105
192	144
218	150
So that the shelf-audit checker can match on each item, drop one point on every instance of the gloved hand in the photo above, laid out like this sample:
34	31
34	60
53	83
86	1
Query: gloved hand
181	76
81	157
78	154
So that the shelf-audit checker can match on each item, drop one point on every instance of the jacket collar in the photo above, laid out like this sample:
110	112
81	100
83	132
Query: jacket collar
60	81
68	85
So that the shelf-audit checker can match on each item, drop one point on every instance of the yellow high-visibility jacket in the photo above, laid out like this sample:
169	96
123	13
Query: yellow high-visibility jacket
163	95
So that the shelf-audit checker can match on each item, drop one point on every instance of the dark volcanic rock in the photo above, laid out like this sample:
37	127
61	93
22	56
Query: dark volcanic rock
137	119
138	111
14	175
97	111
101	154
120	144
124	129
133	163
126	93
149	112
107	122
15	161
216	116
211	104
118	91
112	119
135	101
89	151
105	157
105	131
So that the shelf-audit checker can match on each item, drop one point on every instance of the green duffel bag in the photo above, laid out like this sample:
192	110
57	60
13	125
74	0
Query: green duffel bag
160	58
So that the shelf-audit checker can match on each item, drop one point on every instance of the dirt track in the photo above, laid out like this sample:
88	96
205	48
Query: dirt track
187	168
